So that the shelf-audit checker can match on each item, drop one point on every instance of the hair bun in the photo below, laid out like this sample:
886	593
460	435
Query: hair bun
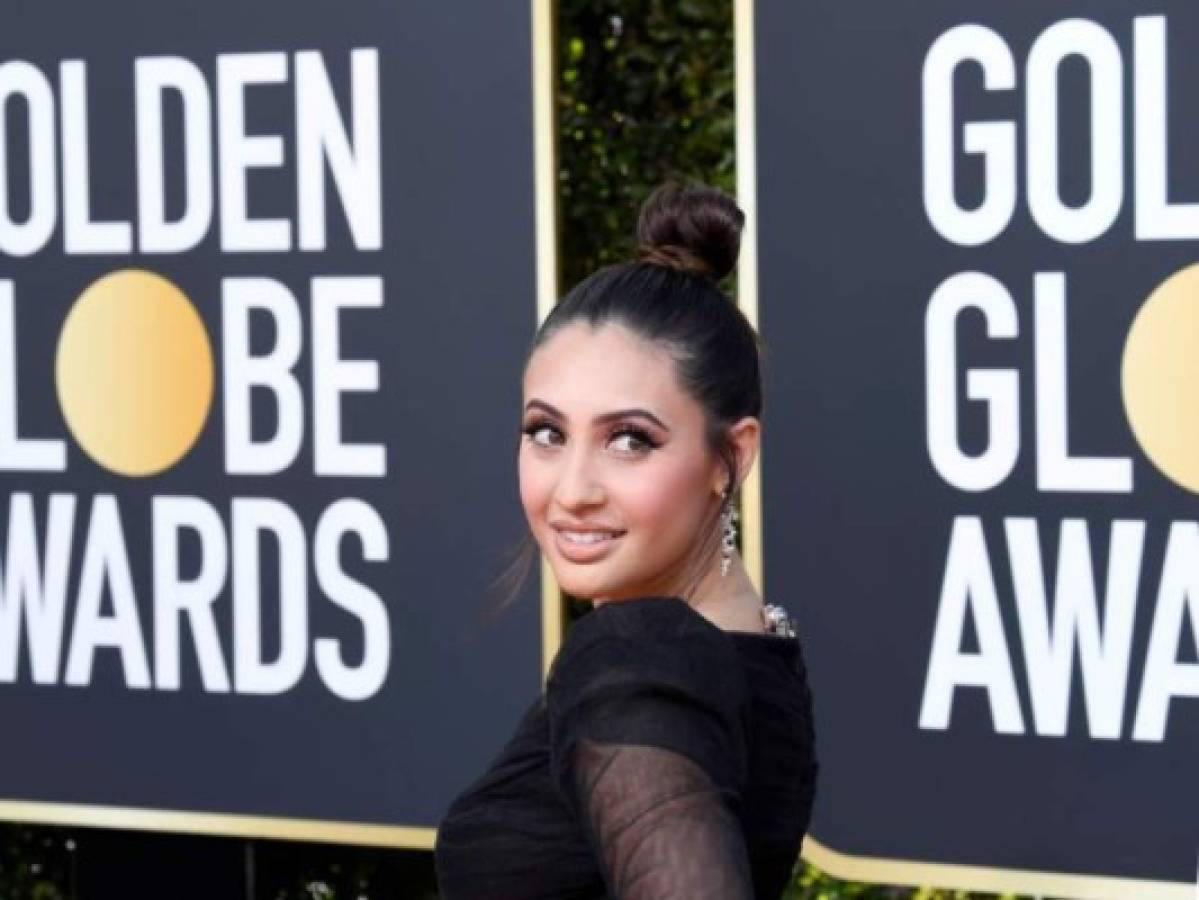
690	228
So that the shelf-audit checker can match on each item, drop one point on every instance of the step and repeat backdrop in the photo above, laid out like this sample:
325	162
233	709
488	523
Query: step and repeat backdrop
266	285
979	287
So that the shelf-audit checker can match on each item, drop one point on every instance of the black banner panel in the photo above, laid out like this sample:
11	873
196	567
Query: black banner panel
978	228
267	277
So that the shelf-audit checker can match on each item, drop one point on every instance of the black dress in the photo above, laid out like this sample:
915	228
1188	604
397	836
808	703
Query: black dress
668	759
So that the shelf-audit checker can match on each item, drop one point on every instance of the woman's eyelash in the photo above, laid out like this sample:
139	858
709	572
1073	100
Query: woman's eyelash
640	435
532	428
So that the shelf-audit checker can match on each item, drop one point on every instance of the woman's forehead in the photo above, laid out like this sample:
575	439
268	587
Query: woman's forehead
601	366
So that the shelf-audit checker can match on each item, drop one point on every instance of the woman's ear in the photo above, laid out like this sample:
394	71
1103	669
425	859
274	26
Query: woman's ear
745	435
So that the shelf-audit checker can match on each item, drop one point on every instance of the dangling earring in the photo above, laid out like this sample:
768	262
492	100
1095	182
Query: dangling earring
728	537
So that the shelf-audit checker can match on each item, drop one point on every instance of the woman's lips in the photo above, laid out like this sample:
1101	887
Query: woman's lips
576	550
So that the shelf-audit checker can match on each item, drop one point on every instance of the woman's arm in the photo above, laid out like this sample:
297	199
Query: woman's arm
659	826
648	749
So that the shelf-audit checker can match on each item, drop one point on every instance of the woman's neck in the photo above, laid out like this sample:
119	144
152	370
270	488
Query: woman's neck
729	601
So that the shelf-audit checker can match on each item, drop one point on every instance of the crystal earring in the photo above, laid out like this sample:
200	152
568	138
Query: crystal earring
728	537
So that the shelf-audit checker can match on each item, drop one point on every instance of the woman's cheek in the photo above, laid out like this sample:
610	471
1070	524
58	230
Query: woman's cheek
658	495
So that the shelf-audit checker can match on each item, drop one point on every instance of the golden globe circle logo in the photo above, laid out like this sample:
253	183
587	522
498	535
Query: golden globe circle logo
134	373
1160	378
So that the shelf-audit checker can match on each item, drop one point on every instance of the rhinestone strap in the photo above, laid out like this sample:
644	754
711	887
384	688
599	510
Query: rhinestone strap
776	620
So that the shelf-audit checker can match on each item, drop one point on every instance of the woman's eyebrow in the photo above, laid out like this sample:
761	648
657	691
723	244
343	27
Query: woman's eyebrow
605	417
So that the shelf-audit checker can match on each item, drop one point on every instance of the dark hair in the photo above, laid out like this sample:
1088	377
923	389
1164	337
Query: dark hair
688	238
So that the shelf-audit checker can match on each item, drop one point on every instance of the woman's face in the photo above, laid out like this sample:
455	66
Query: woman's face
616	479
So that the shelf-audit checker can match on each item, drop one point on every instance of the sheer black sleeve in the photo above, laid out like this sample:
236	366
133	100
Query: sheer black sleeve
647	743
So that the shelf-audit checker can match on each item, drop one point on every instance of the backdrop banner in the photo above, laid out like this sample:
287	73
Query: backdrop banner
977	230
266	285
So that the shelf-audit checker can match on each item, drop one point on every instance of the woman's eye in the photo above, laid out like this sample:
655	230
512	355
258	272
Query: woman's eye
627	441
541	435
632	440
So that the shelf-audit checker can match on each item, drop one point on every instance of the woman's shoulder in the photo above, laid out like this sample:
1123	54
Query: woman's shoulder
658	641
668	626
651	672
662	616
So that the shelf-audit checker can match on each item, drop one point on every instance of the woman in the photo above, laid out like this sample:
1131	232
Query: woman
671	755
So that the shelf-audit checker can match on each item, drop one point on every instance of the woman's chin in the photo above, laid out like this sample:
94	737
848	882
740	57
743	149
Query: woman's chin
583	589
584	585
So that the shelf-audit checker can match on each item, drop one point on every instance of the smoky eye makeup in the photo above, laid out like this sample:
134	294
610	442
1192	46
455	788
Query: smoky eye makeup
642	440
534	426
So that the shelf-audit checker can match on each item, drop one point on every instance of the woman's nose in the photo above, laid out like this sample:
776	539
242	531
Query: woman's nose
578	484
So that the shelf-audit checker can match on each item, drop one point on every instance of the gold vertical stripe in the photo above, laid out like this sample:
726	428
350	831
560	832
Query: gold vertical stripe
845	865
747	269
544	183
